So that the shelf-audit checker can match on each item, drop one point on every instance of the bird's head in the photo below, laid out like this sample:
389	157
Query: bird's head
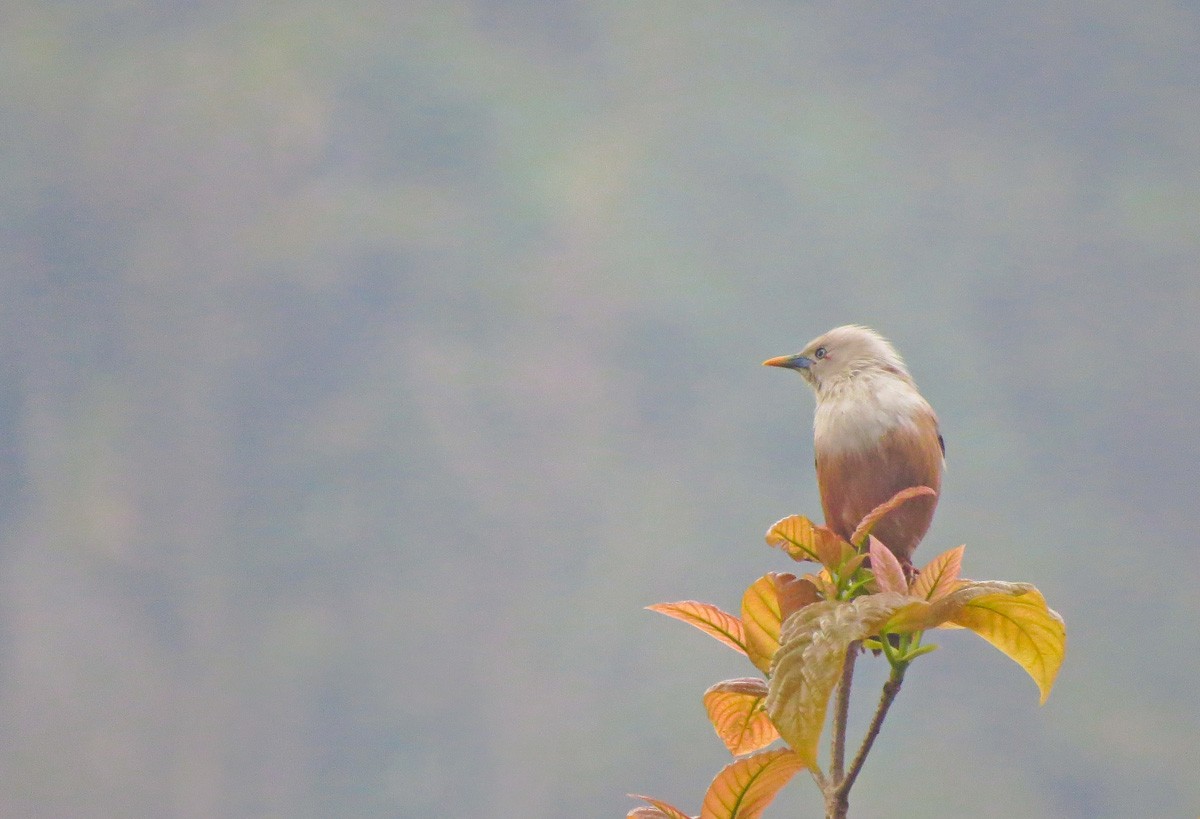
841	355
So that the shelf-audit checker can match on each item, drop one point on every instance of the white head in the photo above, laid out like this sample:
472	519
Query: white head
844	355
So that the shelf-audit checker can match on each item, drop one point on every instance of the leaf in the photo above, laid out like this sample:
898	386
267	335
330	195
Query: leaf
889	574
1024	628
709	619
823	583
1013	617
940	577
736	710
813	645
794	593
743	789
660	810
765	604
761	619
887	507
804	540
851	565
920	615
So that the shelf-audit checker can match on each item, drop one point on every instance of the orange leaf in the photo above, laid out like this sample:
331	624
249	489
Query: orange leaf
661	810
940	577
709	619
887	507
763	612
743	789
804	540
761	618
794	593
919	615
736	710
889	574
823	583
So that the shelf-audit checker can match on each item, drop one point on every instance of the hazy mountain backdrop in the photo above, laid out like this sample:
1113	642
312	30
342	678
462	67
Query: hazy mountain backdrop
366	367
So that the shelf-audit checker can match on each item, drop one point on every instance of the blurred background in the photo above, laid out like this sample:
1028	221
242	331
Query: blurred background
366	367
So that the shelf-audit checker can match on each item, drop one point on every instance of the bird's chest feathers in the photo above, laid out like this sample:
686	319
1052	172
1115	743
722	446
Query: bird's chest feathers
857	416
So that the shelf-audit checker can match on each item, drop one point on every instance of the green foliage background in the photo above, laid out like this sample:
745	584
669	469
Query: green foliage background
367	366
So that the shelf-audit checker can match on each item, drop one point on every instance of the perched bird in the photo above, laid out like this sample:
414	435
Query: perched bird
873	435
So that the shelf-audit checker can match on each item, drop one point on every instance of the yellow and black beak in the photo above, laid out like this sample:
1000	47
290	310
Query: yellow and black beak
791	362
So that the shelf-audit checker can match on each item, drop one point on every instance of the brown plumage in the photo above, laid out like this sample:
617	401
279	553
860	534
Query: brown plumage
873	435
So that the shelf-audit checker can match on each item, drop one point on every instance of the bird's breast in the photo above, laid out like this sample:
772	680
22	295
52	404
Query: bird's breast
867	451
858	417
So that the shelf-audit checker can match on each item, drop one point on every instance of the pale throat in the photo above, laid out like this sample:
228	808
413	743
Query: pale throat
855	414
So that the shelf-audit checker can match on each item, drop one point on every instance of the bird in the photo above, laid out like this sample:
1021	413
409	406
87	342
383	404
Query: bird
873	435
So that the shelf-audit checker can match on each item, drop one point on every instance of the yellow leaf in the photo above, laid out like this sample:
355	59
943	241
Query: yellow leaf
1024	628
919	615
709	619
813	645
660	810
743	789
764	605
940	577
736	710
761	618
889	574
886	508
1013	617
804	540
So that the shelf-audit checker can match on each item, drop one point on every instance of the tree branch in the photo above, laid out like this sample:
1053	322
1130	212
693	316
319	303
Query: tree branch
890	689
819	778
837	765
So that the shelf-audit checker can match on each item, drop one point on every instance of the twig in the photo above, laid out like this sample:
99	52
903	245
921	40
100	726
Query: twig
890	689
841	714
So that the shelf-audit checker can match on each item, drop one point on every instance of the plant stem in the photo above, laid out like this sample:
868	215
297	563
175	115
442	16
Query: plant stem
819	778
841	714
836	804
890	689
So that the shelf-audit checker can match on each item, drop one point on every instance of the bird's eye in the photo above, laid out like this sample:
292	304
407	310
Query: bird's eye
820	353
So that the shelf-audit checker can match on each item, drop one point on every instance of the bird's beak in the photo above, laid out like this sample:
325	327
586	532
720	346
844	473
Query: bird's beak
792	362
